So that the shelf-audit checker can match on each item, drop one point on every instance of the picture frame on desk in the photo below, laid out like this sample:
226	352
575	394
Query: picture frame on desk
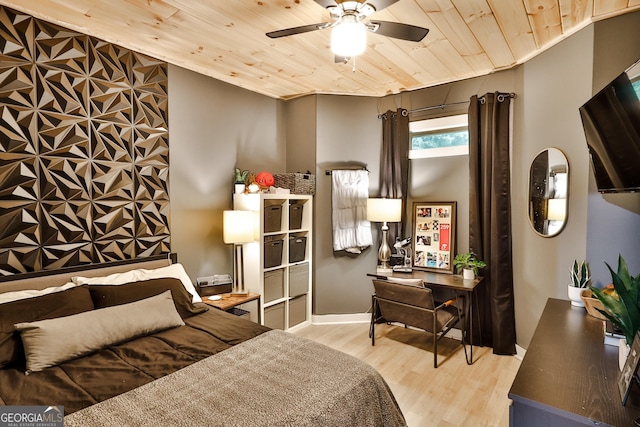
629	371
434	236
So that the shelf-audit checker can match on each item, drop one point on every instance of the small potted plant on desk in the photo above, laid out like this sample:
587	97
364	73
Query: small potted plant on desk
469	264
579	280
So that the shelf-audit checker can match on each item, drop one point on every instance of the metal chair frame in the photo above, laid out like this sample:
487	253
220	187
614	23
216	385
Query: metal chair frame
458	301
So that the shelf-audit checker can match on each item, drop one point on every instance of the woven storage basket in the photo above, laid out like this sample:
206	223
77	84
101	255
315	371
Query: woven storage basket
298	183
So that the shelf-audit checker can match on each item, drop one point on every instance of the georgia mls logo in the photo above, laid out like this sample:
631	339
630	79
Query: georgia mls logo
31	416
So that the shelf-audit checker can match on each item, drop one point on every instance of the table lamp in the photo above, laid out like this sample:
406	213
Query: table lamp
556	209
237	228
384	210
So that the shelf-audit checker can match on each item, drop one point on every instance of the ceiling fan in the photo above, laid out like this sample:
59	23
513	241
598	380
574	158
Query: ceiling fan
350	25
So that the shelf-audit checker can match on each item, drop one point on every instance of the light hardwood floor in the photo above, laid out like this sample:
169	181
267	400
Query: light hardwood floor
454	394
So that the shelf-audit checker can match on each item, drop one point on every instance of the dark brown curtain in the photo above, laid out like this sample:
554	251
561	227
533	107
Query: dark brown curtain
394	165
490	220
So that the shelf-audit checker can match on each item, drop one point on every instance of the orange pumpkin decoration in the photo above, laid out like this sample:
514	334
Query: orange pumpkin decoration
265	179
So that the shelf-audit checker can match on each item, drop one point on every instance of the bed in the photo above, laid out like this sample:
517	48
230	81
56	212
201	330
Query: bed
134	346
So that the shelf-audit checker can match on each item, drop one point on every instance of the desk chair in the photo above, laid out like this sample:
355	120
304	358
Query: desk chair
413	305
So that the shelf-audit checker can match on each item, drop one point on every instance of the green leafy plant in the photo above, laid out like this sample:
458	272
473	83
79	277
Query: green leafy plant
580	274
622	304
468	260
241	176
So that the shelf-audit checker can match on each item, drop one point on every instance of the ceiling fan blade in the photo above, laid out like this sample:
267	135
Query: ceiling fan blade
398	30
297	30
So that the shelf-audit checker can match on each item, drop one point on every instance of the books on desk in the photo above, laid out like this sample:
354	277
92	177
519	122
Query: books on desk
612	335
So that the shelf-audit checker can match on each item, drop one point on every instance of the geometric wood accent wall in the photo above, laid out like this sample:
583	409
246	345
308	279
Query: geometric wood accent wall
84	149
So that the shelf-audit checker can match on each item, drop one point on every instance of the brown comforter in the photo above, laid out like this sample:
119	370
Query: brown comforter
274	380
82	382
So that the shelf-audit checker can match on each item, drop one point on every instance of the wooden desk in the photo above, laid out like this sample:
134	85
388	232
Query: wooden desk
453	282
568	376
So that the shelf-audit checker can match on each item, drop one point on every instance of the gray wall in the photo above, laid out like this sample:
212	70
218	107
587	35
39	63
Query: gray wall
348	134
554	85
613	220
213	127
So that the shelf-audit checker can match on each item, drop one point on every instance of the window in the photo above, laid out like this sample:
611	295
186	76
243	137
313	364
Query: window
444	136
636	86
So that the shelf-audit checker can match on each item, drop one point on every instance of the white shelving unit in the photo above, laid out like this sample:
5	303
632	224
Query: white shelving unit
278	265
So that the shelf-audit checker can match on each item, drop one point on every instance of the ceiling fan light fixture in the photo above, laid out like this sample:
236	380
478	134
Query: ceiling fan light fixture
349	37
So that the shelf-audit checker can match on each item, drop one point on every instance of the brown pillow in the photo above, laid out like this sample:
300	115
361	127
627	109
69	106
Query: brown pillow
64	303
110	295
53	341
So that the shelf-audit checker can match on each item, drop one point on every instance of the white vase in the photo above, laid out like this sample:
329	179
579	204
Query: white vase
623	352
468	274
574	295
239	188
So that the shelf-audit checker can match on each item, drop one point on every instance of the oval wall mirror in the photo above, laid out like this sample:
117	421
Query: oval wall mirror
549	192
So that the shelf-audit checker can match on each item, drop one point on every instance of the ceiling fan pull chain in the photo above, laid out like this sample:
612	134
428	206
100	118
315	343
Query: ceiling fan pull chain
353	70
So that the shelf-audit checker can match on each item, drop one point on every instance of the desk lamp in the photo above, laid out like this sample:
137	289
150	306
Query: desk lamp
384	210
237	229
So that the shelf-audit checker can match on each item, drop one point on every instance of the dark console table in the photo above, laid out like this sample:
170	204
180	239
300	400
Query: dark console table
568	376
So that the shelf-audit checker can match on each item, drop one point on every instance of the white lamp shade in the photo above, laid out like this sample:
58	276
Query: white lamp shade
556	209
349	37
238	226
384	210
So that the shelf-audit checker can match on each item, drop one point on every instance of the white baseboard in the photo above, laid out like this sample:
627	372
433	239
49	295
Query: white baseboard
520	352
334	319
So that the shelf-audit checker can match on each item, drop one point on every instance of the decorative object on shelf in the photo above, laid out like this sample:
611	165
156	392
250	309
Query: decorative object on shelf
240	181
384	210
252	185
265	180
298	183
469	264
238	229
622	304
434	236
580	278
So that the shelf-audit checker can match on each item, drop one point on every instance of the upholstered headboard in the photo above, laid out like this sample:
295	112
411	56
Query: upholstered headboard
45	279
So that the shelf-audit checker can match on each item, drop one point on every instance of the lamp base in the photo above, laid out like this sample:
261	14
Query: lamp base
383	270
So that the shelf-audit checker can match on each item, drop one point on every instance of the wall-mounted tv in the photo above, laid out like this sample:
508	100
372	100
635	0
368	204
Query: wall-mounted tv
611	122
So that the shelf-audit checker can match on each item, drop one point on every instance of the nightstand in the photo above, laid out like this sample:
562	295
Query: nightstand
228	302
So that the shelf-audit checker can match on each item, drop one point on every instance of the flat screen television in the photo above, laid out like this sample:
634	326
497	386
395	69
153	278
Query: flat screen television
611	122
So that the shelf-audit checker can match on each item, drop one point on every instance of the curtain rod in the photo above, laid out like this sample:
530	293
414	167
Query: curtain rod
432	107
435	107
451	104
330	171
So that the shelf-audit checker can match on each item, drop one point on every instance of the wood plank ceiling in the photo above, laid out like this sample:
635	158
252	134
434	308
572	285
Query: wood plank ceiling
226	39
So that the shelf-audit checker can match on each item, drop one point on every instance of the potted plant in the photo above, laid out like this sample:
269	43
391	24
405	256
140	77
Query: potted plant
622	304
469	264
621	301
580	278
240	180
